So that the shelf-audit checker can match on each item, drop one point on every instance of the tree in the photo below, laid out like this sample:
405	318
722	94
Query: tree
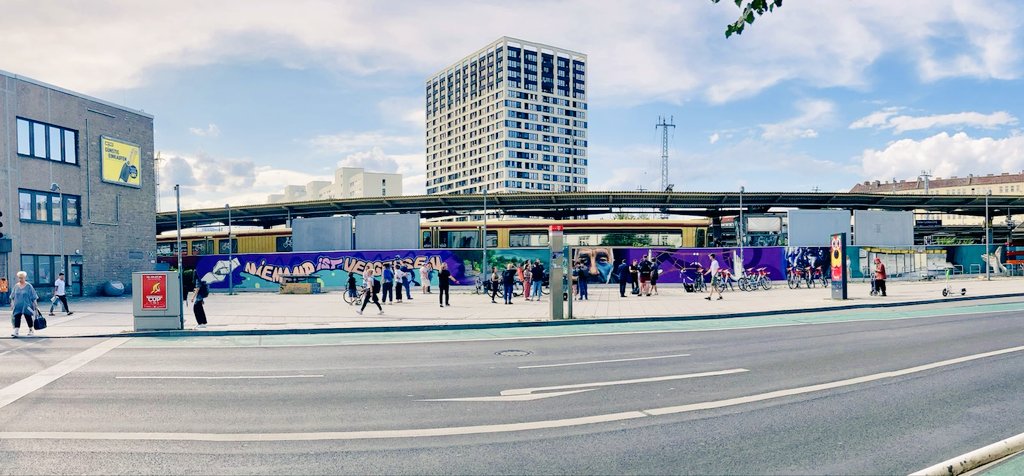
748	13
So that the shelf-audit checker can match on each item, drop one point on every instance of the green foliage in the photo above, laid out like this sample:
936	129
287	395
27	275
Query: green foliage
748	13
626	239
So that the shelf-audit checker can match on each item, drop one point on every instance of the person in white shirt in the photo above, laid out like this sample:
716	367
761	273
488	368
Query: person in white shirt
60	294
713	271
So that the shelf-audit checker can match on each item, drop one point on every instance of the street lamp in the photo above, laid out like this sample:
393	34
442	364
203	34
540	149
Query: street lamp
483	267
56	188
988	241
739	229
231	250
181	274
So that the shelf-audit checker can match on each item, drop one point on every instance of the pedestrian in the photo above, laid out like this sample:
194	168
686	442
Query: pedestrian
538	281
634	277
407	279
444	280
713	271
397	285
623	277
23	299
425	277
198	300
527	280
880	276
655	272
5	299
388	278
644	270
495	281
371	291
581	281
352	285
60	294
508	279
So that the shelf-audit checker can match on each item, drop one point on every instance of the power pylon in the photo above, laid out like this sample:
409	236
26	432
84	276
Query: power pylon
664	149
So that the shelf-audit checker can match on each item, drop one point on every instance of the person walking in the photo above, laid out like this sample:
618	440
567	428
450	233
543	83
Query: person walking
508	280
372	289
538	281
407	279
60	294
425	277
880	276
397	285
581	282
634	277
198	300
23	299
5	299
495	281
527	280
388	278
713	271
444	280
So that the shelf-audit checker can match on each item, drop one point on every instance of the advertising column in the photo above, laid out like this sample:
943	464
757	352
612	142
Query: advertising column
837	251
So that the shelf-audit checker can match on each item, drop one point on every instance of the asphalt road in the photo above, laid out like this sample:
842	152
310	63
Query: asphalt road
372	409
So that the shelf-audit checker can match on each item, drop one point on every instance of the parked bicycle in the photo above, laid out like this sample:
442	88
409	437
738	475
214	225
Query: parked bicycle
723	280
357	299
795	276
754	279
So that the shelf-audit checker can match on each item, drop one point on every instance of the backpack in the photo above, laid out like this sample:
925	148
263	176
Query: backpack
204	290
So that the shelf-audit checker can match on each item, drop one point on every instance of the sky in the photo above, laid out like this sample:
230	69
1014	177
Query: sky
250	96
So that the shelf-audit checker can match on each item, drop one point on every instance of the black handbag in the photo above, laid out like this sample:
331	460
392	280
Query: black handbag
38	321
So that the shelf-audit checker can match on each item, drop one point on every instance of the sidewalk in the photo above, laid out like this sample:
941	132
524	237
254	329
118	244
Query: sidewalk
269	311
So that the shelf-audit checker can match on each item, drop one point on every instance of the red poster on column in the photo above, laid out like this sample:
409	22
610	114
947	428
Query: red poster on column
154	291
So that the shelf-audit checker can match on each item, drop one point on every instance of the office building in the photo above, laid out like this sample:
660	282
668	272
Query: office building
1002	184
511	116
77	188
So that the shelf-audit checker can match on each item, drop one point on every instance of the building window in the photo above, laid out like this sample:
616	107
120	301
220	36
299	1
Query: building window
45	141
40	269
45	207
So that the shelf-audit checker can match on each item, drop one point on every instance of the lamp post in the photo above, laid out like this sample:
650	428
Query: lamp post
483	266
988	241
181	275
739	228
231	251
56	188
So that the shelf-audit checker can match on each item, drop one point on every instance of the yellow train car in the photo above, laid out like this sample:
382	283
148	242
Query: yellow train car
197	243
534	233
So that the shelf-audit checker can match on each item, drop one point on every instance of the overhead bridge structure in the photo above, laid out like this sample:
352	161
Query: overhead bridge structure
564	205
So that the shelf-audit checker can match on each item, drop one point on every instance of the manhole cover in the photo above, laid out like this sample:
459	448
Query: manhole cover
513	353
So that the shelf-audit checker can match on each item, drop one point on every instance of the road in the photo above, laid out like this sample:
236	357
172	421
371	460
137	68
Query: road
902	394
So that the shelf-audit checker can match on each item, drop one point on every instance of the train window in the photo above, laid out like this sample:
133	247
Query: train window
701	236
427	242
459	239
166	249
492	239
202	247
526	239
283	244
223	247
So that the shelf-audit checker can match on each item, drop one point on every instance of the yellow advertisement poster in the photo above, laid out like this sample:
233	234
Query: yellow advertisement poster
121	162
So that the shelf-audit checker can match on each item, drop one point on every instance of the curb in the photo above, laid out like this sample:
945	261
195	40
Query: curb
975	459
505	325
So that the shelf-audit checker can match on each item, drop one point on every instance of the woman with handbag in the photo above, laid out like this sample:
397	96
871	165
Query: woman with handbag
23	304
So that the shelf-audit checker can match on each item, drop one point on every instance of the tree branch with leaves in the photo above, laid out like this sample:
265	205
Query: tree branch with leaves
749	13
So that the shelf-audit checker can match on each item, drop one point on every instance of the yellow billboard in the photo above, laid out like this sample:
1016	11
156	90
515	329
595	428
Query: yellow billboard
121	162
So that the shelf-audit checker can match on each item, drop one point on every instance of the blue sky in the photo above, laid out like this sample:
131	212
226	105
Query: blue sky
250	96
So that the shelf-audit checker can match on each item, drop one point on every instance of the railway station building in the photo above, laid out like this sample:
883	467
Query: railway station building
77	187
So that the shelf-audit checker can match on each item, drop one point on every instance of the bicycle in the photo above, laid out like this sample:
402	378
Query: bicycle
357	299
724	280
793	277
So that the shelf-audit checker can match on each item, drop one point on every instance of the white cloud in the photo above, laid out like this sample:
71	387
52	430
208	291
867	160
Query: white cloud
211	131
714	138
348	142
409	110
887	119
944	155
812	114
658	50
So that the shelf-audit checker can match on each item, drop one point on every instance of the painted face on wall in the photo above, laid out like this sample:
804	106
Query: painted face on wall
597	261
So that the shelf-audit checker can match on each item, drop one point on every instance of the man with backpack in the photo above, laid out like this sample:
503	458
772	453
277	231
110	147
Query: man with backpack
198	298
644	270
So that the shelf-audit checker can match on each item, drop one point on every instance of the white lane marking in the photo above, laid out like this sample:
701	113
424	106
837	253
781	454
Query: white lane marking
527	394
211	377
40	379
452	431
826	386
19	348
589	334
602	361
482	428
